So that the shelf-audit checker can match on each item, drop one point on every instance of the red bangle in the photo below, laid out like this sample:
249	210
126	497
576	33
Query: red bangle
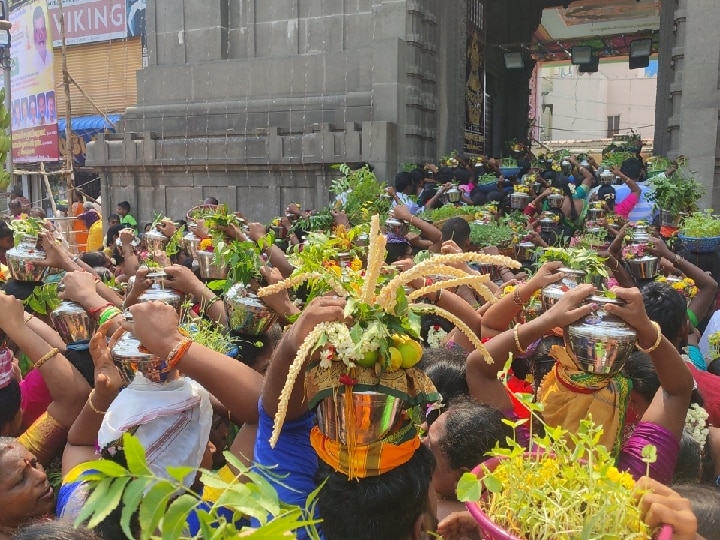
98	310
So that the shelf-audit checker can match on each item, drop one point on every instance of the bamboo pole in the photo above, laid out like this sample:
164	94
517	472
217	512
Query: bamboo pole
48	187
68	105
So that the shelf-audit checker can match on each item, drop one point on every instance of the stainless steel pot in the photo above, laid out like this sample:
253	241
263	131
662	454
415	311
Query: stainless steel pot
593	214
524	251
519	200
130	358
600	342
453	194
644	268
553	292
555	200
72	322
247	313
159	291
397	227
208	268
22	260
155	240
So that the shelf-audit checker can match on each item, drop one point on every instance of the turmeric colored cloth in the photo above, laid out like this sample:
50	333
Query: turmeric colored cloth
569	395
45	438
363	461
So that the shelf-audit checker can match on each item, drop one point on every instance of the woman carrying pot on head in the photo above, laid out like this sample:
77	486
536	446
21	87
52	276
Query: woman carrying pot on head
569	393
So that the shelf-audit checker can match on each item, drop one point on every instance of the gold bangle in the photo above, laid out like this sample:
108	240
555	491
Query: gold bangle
209	304
45	357
517	340
657	341
27	316
90	403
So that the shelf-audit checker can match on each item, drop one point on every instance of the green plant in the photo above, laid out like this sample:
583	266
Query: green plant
567	487
576	258
28	226
319	221
360	194
175	243
484	235
43	299
163	506
448	211
5	143
701	225
675	194
243	259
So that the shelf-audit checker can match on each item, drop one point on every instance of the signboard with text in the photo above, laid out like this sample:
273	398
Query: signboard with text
34	117
88	21
475	131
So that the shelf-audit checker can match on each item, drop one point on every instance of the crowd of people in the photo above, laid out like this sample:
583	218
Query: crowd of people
67	404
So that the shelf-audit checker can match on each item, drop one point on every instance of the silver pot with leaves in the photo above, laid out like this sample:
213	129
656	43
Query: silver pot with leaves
131	358
519	200
549	224
72	322
553	292
555	200
453	194
209	268
23	260
398	227
524	251
160	292
247	313
155	240
600	342
191	243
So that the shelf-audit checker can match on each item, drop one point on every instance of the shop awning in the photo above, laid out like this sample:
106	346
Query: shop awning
89	126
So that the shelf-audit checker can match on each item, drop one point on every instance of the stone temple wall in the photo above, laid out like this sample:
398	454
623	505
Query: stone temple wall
253	101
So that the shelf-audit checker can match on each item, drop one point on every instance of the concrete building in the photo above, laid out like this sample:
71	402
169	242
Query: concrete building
591	106
688	98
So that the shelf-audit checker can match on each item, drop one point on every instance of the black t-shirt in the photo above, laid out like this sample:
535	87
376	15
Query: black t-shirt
428	193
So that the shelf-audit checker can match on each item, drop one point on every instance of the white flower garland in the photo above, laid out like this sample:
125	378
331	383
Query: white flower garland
696	424
436	336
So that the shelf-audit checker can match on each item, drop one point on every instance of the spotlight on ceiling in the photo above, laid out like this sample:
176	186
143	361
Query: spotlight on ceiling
514	60
590	67
580	55
640	50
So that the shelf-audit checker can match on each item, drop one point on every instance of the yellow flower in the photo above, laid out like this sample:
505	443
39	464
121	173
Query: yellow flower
622	478
678	286
356	264
205	243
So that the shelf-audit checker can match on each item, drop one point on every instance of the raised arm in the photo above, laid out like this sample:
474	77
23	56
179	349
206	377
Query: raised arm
67	387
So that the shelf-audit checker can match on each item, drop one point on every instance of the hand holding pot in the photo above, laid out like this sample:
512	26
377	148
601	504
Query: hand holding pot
107	377
321	309
167	227
155	324
659	248
79	287
633	312
182	279
569	308
402	212
547	274
55	255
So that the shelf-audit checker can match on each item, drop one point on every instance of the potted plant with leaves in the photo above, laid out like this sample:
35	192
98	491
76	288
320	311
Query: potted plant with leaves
675	196
567	487
22	259
700	232
359	194
580	265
